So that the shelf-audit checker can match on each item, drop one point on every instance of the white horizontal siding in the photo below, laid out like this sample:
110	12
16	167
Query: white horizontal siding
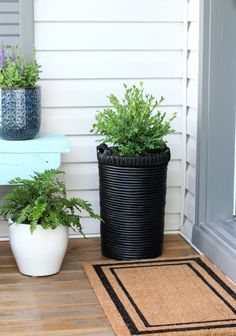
109	10
93	93
78	121
107	36
110	64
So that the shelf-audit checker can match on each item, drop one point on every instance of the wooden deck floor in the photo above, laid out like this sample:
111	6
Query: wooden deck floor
63	304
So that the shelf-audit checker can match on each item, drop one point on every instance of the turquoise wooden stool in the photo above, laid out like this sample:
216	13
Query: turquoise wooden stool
23	158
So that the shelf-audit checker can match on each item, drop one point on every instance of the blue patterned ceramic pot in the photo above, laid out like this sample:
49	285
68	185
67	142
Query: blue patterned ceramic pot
20	113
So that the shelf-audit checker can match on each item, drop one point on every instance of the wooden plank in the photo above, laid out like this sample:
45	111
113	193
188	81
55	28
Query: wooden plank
109	36
79	121
109	10
62	304
110	64
93	93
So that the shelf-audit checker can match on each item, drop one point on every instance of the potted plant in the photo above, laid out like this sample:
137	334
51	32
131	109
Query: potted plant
132	161
40	215
20	104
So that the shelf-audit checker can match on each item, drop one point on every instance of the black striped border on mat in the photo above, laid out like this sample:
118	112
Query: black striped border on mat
177	327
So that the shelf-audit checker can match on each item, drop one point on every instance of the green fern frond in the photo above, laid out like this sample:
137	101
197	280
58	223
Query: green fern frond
42	200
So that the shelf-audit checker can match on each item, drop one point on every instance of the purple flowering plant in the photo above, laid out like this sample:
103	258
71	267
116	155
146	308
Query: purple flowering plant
15	72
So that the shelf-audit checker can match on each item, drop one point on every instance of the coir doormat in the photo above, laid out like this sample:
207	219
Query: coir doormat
169	297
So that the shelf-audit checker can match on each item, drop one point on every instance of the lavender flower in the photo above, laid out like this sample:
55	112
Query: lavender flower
13	56
15	72
2	57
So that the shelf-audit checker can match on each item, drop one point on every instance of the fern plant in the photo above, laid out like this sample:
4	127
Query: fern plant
133	126
42	200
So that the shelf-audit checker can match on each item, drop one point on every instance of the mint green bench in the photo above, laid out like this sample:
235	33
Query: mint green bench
23	158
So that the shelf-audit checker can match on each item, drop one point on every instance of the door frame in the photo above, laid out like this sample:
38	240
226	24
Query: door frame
214	231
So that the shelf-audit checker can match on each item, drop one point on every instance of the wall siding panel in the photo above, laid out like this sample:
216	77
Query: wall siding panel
108	36
110	64
191	122
78	121
93	93
88	49
109	10
133	42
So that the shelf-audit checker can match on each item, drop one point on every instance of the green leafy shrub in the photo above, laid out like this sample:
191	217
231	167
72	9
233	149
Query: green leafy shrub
133	127
14	71
43	201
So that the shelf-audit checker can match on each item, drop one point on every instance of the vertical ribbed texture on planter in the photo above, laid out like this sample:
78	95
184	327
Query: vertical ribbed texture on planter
132	201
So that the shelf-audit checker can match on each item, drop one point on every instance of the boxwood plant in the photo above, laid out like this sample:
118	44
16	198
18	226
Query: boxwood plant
42	200
133	126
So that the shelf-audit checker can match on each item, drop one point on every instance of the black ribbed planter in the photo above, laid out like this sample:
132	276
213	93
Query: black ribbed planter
132	201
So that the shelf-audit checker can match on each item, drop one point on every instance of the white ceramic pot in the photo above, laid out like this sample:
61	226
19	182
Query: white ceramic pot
40	253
